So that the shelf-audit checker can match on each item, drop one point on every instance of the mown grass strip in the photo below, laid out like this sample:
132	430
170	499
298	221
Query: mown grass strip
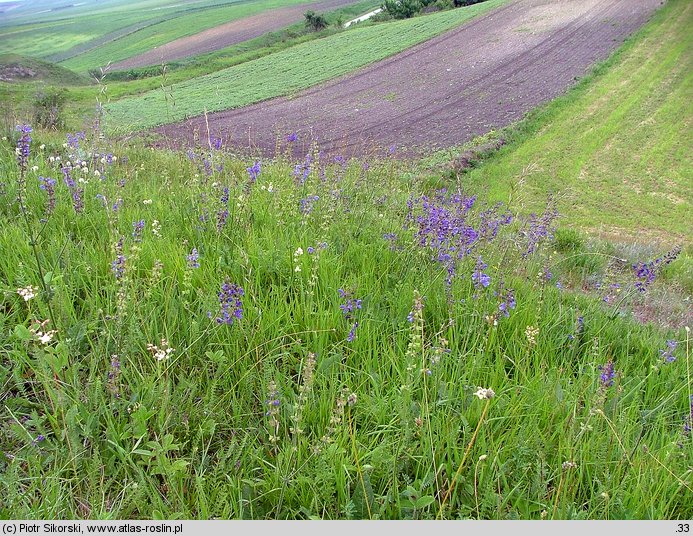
618	146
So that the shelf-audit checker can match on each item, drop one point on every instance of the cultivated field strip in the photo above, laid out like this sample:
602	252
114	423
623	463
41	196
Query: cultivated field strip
481	76
227	34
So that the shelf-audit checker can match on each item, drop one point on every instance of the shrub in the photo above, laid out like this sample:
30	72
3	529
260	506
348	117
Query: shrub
315	21
48	107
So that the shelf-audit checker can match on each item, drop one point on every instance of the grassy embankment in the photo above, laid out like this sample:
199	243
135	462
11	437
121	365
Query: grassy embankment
340	383
618	146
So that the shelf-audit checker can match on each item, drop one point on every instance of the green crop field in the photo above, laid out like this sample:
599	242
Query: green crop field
301	66
618	147
132	31
49	34
163	32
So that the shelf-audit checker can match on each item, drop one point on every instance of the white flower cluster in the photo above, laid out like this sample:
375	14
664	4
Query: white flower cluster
485	394
39	332
27	293
161	353
297	259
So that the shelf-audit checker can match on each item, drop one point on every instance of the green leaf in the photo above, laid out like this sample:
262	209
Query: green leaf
179	465
423	502
22	333
362	497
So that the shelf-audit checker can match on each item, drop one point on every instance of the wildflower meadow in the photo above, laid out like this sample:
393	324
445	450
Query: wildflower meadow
192	334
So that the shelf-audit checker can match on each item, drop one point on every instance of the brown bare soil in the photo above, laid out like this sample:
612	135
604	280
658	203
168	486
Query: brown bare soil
228	34
481	76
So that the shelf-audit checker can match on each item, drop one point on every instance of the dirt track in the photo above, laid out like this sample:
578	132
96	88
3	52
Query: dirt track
484	75
228	34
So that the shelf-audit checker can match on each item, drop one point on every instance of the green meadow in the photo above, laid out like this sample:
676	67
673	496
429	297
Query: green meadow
185	336
191	335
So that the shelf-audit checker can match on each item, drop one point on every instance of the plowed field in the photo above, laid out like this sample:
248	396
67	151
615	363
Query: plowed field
481	76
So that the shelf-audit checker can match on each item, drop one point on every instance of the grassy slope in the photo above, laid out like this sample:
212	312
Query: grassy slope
46	72
619	145
94	426
300	67
193	431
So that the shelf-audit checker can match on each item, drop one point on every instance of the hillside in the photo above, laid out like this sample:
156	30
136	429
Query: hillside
498	330
16	68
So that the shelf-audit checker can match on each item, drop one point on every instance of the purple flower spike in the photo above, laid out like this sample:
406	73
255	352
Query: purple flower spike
254	171
231	307
48	185
507	302
193	259
667	355
479	278
137	230
349	308
607	374
23	146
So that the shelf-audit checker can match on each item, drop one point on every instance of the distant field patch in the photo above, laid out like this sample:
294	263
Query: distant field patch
90	37
228	34
285	72
169	30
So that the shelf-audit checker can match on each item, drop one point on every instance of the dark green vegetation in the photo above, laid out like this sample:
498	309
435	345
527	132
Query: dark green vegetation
315	21
363	314
404	9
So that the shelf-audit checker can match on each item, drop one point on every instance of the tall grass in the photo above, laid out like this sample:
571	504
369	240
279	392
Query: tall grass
315	339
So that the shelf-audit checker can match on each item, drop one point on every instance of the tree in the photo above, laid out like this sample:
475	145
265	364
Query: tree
315	21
